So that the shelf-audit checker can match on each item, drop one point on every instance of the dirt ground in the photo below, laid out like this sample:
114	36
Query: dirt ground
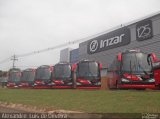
19	108
10	110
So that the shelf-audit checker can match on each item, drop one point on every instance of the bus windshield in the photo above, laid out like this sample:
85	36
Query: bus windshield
43	73
135	63
14	76
28	76
62	71
88	70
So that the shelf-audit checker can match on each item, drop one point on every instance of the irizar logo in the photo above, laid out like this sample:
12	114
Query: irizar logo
111	41
94	45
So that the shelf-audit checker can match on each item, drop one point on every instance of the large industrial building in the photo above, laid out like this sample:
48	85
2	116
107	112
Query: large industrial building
142	34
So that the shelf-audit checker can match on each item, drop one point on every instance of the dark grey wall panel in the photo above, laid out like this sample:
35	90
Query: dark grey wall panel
74	56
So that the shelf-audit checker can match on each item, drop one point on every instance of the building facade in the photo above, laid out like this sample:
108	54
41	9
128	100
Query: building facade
143	34
65	55
74	56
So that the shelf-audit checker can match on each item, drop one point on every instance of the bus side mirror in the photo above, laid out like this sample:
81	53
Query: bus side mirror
51	68
154	57
34	70
100	66
120	57
74	66
19	74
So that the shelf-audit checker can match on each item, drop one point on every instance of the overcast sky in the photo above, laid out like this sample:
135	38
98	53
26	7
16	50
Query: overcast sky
31	25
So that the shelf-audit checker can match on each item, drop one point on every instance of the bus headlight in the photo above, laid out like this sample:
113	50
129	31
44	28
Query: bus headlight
124	80
78	83
98	83
151	80
34	84
70	83
51	84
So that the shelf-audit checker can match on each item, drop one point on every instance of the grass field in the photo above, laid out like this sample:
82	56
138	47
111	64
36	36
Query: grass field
97	101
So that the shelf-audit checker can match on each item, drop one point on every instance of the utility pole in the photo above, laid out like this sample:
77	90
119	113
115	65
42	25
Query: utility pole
14	58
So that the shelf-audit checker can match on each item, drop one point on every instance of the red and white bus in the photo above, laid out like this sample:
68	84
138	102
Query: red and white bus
156	69
87	74
62	76
27	78
132	69
43	77
14	78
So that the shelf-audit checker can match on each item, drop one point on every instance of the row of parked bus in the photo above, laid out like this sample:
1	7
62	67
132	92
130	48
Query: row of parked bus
130	69
61	75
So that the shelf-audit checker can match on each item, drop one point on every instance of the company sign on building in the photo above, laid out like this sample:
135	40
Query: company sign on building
110	40
144	30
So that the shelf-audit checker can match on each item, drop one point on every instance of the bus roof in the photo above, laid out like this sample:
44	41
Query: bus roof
62	63
132	51
14	70
29	69
44	66
87	61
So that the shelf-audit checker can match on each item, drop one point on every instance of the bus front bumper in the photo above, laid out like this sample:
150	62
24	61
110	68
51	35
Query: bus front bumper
62	87
42	87
137	86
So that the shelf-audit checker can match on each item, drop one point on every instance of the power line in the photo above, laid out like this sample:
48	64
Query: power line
25	66
62	45
40	51
50	48
5	60
15	57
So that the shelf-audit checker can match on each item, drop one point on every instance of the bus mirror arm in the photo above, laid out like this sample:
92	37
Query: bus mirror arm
156	61
154	58
74	66
119	57
100	66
